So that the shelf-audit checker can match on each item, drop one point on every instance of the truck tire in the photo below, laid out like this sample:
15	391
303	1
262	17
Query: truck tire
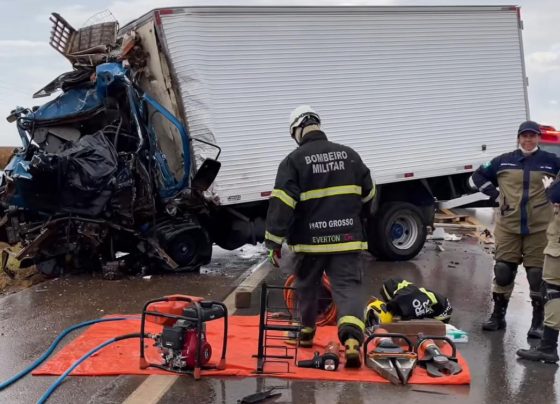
399	232
190	248
184	251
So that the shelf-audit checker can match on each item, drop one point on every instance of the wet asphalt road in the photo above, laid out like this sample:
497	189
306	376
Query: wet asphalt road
463	273
30	320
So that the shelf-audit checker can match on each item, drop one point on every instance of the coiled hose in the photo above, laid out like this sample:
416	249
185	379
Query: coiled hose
327	314
49	351
61	378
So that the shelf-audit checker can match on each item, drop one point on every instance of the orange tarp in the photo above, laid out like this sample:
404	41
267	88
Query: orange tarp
123	357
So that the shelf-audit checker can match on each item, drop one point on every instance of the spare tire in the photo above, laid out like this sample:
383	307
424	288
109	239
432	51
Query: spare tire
398	232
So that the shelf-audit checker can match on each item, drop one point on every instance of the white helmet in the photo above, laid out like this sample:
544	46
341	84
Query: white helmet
299	115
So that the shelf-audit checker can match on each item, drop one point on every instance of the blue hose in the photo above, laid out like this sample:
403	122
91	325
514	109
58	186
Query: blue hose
61	378
42	358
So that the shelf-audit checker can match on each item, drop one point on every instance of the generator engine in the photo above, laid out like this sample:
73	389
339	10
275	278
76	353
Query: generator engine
182	343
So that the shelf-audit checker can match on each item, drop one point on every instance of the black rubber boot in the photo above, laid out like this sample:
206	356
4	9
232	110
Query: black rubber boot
546	351
536	330
497	320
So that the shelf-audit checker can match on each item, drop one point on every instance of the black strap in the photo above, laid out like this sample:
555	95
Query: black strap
552	286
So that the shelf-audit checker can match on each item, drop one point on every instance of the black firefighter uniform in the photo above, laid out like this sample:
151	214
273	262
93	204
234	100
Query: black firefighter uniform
321	192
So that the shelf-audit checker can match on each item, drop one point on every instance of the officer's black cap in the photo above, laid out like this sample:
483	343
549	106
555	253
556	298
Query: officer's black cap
529	126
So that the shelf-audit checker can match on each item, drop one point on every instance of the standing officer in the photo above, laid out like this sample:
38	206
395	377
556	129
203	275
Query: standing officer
547	349
521	224
322	192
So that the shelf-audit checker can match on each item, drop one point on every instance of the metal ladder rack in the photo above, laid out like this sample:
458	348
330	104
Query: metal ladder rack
272	328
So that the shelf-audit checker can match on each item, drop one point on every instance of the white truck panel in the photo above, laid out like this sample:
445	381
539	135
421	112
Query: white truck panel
413	90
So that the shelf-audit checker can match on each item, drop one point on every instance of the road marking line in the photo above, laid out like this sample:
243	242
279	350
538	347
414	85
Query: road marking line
152	389
155	386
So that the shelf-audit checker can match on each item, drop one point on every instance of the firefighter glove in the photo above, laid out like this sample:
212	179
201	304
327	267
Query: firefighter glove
274	257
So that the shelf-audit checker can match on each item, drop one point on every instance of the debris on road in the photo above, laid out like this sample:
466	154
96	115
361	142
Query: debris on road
259	397
486	237
447	219
13	278
455	334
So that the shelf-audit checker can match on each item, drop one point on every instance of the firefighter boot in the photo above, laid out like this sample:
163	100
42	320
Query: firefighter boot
536	330
306	336
353	353
546	351
497	320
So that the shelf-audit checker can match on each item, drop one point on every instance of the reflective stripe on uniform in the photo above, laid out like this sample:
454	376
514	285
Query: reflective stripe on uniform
401	285
369	196
272	237
328	248
330	191
405	283
430	295
284	197
351	320
484	186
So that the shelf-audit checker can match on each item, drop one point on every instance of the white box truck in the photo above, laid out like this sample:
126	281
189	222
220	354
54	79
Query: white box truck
424	94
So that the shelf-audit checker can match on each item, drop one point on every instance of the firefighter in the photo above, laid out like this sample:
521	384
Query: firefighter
524	213
322	194
547	349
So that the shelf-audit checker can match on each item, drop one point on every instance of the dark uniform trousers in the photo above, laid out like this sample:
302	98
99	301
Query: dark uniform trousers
345	274
518	249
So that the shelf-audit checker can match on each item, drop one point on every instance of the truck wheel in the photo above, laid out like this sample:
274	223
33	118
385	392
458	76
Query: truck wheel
399	232
189	250
183	250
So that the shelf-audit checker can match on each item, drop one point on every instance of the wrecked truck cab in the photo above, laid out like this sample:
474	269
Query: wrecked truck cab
90	187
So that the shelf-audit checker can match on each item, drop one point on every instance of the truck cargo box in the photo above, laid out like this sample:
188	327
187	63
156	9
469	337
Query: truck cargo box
419	92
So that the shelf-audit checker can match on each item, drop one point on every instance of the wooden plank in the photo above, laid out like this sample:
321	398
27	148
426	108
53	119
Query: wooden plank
473	220
463	226
450	218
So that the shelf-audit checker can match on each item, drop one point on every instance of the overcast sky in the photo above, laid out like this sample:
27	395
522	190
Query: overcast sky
27	62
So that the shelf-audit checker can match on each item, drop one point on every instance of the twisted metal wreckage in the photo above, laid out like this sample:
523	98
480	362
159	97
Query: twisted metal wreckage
90	187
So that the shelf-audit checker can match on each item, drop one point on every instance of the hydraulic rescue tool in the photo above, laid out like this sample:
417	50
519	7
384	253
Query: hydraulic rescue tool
328	361
388	358
433	360
182	343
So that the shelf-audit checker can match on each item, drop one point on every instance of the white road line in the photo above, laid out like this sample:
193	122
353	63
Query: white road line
154	387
